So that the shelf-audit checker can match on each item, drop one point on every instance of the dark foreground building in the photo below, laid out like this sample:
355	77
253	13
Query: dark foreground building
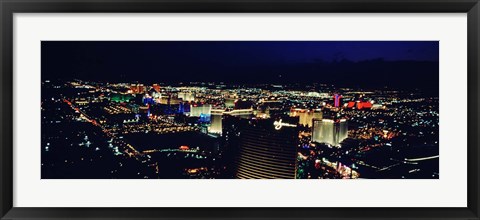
262	148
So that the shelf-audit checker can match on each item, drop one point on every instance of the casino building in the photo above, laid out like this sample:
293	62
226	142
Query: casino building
330	131
264	148
306	116
218	114
196	111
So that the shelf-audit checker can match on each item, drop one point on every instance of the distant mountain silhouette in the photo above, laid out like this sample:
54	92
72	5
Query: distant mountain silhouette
423	75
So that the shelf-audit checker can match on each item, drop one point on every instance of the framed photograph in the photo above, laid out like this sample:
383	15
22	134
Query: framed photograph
239	109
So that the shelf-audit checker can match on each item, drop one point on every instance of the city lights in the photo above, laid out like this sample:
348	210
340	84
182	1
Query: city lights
199	115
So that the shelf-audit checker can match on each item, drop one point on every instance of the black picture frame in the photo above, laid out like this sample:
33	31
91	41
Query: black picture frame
9	7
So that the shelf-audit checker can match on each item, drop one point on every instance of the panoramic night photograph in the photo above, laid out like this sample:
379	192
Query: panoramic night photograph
239	110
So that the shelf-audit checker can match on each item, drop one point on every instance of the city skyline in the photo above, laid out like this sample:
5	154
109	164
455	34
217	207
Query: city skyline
221	125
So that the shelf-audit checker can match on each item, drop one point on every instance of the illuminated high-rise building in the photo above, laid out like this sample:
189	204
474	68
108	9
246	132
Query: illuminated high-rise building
265	148
316	114
216	121
306	116
218	114
197	110
337	100
330	131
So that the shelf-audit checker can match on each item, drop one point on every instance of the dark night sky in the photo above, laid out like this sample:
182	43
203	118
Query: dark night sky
403	64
